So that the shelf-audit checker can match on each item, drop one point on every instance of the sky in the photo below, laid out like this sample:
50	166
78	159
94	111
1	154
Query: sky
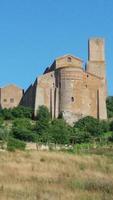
35	32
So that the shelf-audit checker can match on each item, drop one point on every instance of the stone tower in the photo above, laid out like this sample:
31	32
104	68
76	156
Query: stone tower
66	88
96	57
96	65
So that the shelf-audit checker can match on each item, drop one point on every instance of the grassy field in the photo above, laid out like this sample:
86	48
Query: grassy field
55	176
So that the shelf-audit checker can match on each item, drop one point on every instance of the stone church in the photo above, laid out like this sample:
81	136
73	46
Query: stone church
67	88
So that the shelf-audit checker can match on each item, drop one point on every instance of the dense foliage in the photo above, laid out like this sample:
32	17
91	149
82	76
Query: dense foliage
18	112
23	129
14	144
17	125
89	124
110	106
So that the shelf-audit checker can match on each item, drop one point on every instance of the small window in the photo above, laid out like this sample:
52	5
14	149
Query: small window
12	100
87	75
69	59
72	99
5	100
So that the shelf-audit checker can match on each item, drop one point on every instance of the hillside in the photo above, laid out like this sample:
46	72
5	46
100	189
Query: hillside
55	176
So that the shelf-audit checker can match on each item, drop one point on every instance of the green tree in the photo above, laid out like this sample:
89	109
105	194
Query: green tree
6	114
22	112
111	126
14	144
4	134
105	126
60	132
22	129
110	106
43	120
43	114
80	136
89	124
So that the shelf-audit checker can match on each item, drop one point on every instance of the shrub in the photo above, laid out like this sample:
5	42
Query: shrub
6	114
104	126
3	134
111	126
17	112
22	129
14	144
60	132
89	124
43	120
1	122
110	106
22	123
22	112
43	114
24	134
81	136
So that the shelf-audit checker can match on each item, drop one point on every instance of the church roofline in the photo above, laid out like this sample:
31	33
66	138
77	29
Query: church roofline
68	55
11	85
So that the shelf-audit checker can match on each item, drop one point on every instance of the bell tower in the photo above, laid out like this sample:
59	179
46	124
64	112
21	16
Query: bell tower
96	57
96	65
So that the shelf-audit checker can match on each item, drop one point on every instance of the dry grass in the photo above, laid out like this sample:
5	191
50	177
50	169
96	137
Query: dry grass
55	176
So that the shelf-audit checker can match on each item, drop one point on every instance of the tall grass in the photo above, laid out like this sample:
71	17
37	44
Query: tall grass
55	176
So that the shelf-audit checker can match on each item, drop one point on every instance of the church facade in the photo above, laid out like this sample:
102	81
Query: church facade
67	88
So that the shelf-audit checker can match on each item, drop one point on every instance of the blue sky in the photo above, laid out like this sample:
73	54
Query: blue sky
34	32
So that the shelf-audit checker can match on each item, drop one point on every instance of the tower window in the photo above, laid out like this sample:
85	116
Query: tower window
72	99
59	84
12	100
5	100
69	59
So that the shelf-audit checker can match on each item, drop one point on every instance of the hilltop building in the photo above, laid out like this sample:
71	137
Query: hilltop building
10	96
66	87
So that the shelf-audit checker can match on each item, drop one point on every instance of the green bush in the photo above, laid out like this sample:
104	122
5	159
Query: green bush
111	126
17	112
4	134
80	136
23	123
24	134
6	114
110	106
43	120
104	126
22	129
22	112
89	124
43	114
14	144
60	132
1	122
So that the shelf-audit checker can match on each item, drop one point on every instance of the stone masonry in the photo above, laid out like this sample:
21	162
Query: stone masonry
10	96
66	87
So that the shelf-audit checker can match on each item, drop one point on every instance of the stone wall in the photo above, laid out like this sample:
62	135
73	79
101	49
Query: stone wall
65	87
10	96
45	92
28	99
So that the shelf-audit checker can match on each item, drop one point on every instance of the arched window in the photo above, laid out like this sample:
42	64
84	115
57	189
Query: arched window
69	59
72	99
